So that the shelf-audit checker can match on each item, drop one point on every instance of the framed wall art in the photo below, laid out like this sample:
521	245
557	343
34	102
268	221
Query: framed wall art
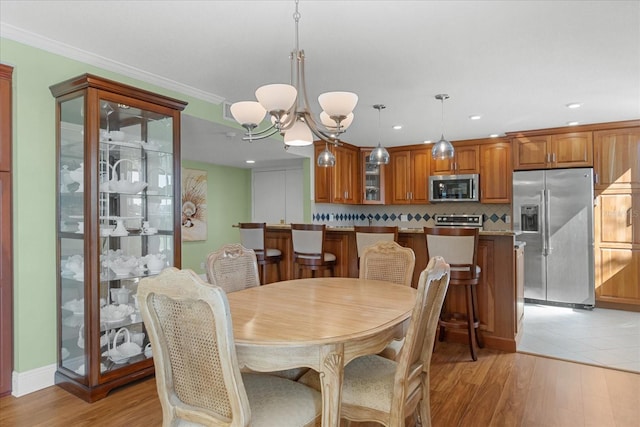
194	205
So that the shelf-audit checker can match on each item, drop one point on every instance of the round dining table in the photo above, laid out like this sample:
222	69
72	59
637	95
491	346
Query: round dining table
320	323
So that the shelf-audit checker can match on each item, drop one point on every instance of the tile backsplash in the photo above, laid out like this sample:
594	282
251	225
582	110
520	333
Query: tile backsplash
495	216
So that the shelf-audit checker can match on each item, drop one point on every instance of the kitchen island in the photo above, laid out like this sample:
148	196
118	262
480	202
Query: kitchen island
498	294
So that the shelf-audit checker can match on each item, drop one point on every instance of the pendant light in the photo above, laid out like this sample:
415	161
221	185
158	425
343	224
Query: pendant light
442	149
326	159
379	155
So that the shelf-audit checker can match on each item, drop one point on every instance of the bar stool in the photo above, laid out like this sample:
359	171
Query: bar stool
308	249
253	236
459	248
369	235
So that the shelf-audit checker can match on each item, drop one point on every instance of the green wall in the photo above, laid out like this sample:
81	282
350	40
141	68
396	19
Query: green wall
34	194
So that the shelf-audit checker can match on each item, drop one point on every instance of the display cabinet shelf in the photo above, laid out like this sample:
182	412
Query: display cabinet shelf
118	154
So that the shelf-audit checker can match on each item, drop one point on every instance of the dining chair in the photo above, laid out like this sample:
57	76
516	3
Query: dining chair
253	235
232	267
197	375
308	249
388	261
368	235
459	247
377	389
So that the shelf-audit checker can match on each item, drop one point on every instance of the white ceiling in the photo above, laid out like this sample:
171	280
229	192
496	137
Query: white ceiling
515	63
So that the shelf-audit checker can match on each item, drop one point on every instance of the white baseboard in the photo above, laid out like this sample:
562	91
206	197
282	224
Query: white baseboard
36	379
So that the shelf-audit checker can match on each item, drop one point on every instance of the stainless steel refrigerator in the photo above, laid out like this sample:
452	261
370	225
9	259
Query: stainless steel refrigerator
553	212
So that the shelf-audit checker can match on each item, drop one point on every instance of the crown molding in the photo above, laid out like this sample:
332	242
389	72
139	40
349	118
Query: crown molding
35	40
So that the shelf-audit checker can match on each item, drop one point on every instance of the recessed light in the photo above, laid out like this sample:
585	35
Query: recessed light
475	117
494	135
574	105
250	161
572	123
397	127
427	141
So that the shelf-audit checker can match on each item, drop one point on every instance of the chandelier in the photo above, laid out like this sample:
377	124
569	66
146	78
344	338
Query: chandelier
288	106
442	149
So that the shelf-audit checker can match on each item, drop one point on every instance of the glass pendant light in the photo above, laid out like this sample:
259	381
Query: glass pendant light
379	155
442	149
326	159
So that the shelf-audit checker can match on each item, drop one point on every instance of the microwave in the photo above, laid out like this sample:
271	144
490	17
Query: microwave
454	188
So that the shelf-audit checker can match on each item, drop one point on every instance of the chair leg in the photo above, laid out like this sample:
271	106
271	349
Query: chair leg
475	317
470	322
264	273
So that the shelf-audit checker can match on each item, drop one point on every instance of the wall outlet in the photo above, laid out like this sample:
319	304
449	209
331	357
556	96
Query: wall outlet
507	219
332	217
404	217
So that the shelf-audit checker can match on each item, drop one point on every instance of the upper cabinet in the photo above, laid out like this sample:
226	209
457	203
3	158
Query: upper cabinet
565	150
495	172
466	160
409	176
339	183
118	221
617	158
373	179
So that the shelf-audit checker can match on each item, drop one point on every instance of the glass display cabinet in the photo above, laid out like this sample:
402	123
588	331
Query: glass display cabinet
118	221
372	180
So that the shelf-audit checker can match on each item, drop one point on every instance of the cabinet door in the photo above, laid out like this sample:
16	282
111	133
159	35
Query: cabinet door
400	168
530	152
617	158
617	272
467	160
346	188
618	218
572	150
420	161
322	177
442	167
495	173
372	178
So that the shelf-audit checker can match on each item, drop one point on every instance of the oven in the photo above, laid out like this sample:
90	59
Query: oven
456	220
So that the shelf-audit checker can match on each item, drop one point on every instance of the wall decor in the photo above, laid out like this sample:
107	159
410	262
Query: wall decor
194	205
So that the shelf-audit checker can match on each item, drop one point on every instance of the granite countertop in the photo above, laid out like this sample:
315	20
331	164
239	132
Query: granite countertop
400	229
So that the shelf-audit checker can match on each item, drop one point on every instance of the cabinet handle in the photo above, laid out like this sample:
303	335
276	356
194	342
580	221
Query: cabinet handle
553	157
630	217
547	158
596	178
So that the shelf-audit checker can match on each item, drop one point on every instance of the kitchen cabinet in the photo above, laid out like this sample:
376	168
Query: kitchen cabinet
466	160
340	183
409	176
564	150
495	172
118	220
373	180
6	237
617	217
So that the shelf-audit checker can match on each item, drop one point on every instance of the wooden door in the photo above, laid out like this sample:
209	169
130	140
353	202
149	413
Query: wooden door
322	177
572	150
495	173
617	158
530	152
6	238
419	178
400	172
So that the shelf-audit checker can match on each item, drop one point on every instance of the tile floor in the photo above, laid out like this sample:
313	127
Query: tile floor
601	337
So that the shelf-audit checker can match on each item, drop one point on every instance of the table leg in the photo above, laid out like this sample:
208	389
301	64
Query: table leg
331	374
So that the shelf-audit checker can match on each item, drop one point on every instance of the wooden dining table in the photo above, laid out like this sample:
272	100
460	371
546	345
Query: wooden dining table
320	323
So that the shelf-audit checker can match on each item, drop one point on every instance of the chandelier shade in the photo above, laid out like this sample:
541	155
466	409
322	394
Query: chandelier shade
276	97
338	104
298	135
290	111
248	112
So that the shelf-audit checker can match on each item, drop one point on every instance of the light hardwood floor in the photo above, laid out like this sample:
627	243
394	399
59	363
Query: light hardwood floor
500	389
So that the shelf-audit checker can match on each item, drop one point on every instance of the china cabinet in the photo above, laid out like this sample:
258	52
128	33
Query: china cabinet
118	157
373	180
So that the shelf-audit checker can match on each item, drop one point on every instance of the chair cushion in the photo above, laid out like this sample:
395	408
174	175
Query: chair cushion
392	350
276	401
328	257
273	252
368	381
